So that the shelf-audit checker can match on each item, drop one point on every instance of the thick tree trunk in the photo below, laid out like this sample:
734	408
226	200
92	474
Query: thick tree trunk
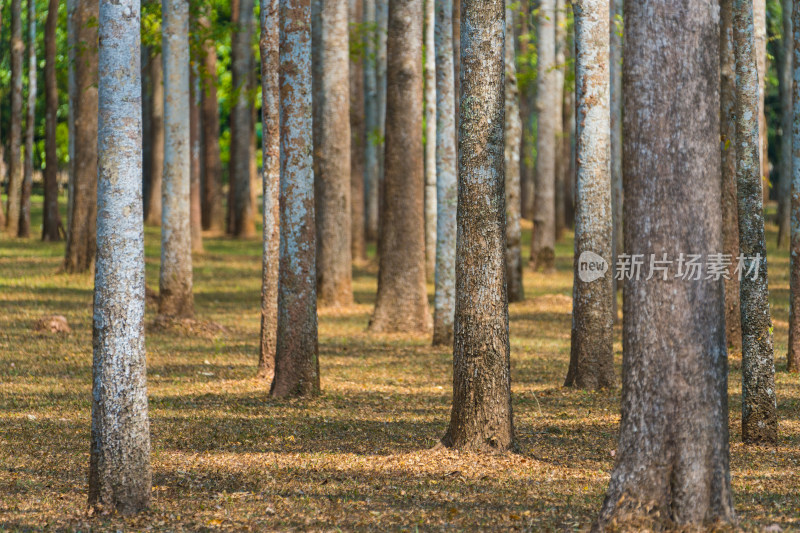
52	218
761	38
402	302
481	415
81	241
672	468
730	213
372	119
155	167
562	159
175	279
513	145
119	471
24	229
196	165
444	300
332	152
591	364
296	355
793	357
549	122
358	139
15	133
213	210
270	187
785	90
430	141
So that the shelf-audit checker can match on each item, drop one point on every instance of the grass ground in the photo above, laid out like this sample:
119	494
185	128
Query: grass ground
227	457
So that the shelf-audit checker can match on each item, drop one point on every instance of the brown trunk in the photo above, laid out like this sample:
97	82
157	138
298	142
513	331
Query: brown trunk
52	218
793	357
402	302
196	171
358	140
526	109
15	135
30	118
213	211
155	166
457	59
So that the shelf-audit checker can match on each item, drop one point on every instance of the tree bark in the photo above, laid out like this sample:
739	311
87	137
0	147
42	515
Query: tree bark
528	114
562	159
296	355
591	364
457	62
271	176
15	134
430	142
2	153
24	229
793	357
332	151
615	61
382	25
119	471
444	300
81	238
761	38
196	168
155	167
785	91
402	302
481	415
672	469
358	139
213	212
52	218
759	417
372	120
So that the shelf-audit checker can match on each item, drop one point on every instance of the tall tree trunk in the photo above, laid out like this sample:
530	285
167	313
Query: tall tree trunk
444	300
119	471
481	414
591	364
793	357
213	211
527	112
382	16
672	466
2	153
270	187
730	213
296	355
155	167
52	218
196	168
549	122
759	417
15	133
513	145
562	159
402	302
615	139
372	120
785	86
175	279
358	140
565	208
457	62
761	38
81	241
24	229
430	141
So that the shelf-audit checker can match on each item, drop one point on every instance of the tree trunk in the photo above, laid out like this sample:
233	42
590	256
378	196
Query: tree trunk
672	468
785	90
332	152
270	176
549	122
175	279
296	355
15	134
444	300
615	139
358	140
119	471
793	357
457	63
372	120
591	364
527	112
382	16
24	229
213	212
2	153
52	218
402	302
565	208
430	142
155	167
513	144
196	169
562	159
481	415
761	37
730	214
81	240
759	417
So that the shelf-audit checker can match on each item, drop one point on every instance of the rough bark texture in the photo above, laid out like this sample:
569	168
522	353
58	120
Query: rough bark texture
296	355
175	278
402	302
119	471
372	120
332	151
759	416
15	134
444	299
793	357
213	211
358	140
481	416
549	121
24	229
761	37
615	65
51	224
785	91
562	158
730	213
513	145
270	187
154	168
196	165
81	242
672	467
591	364
430	141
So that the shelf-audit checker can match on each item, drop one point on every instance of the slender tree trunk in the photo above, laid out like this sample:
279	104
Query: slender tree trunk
155	167
457	63
81	239
175	280
513	145
358	141
591	364
615	63
481	415
382	16
785	86
196	168
296	355
730	213
402	302
565	210
527	112
549	122
761	38
24	229
562	159
270	176
672	468
15	134
444	300
372	120
119	471
332	152
759	417
793	357
52	218
213	211
430	141
2	153
71	97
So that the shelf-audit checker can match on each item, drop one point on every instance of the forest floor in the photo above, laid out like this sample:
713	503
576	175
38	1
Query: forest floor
357	458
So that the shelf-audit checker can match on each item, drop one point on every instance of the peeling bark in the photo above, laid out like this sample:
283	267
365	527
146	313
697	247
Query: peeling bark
358	142
15	134
430	142
51	225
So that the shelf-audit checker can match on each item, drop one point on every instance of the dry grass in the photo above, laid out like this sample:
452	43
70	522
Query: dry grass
226	457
